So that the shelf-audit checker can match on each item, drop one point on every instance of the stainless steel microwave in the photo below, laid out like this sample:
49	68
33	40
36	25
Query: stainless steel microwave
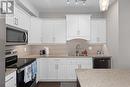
16	36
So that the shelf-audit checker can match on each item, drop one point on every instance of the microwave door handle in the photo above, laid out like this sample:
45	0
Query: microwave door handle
26	37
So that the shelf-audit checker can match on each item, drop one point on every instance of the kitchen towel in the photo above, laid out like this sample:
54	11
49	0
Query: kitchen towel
34	69
28	73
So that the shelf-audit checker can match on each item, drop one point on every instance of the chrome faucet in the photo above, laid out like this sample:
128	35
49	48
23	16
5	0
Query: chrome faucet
77	50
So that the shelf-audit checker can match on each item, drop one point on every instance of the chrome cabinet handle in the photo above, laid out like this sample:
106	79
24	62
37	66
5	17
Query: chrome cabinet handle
56	66
15	19
17	22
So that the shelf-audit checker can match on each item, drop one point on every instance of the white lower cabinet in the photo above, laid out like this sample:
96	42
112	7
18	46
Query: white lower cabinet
61	69
47	69
42	69
52	69
10	80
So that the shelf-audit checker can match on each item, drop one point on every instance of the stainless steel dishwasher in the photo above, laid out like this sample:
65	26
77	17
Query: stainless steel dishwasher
101	62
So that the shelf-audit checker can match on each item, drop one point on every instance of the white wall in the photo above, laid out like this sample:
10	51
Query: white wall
113	33
124	34
118	33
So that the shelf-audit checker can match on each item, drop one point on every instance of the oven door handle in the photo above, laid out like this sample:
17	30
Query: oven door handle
20	70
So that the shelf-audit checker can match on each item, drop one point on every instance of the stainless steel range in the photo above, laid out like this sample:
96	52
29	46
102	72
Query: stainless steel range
22	65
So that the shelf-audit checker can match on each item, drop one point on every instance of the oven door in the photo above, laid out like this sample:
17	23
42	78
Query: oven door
20	79
16	36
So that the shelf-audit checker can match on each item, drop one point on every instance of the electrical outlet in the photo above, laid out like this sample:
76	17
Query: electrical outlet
25	49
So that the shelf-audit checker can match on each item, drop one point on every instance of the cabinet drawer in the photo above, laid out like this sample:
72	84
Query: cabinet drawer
10	76
10	80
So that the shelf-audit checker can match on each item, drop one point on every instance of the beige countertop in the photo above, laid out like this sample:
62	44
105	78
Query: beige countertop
103	78
9	71
59	56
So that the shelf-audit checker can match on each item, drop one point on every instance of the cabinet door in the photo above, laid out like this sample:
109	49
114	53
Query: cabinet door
27	22
63	71
84	26
53	67
98	34
67	70
72	74
12	19
78	26
19	19
60	31
72	26
47	31
42	66
10	80
54	31
35	31
24	19
84	63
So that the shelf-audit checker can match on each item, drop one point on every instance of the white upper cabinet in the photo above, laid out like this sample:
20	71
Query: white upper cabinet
24	20
98	31
19	19
84	26
60	31
11	18
72	26
35	34
54	31
47	32
78	26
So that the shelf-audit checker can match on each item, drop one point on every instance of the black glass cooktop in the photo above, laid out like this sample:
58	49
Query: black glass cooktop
21	62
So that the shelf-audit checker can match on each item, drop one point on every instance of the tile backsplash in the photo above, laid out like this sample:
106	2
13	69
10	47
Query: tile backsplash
85	45
61	49
54	49
22	50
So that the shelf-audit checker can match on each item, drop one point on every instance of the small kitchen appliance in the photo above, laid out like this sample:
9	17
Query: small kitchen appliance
44	51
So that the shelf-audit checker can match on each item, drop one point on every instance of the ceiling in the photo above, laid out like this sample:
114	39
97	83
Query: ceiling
60	6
